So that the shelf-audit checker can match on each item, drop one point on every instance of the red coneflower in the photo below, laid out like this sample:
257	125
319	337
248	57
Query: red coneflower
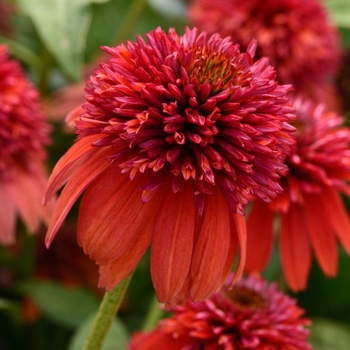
251	315
192	123
297	36
312	215
23	135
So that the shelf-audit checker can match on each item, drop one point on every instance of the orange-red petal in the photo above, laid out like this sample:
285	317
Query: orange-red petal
295	250
111	214
259	236
7	215
211	248
85	174
321	233
172	244
69	163
338	216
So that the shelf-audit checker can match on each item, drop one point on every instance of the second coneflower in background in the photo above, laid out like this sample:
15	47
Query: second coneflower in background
296	35
312	214
24	133
252	315
175	136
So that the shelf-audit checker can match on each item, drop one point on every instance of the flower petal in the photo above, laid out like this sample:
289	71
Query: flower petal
172	244
295	250
321	233
260	236
241	231
72	160
338	216
7	215
114	271
86	173
111	215
211	248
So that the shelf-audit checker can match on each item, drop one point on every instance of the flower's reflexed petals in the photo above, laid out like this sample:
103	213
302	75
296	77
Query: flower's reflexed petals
125	236
338	216
24	134
7	216
82	178
238	234
241	230
172	243
105	235
27	193
260	237
295	247
252	315
71	161
211	248
114	271
321	234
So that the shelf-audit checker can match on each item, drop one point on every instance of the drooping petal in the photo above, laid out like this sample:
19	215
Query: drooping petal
172	243
294	246
86	173
211	247
75	157
111	215
7	215
237	240
322	237
114	271
241	229
338	216
260	236
27	191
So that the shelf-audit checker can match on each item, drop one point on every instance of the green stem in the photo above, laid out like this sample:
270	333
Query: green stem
105	315
130	20
154	315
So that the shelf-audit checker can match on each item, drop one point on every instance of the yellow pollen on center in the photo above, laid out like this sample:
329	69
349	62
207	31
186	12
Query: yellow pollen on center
213	67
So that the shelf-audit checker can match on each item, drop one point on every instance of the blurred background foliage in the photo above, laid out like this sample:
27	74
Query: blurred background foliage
48	298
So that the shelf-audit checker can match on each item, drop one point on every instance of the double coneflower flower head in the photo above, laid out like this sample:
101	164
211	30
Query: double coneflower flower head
251	315
176	134
311	211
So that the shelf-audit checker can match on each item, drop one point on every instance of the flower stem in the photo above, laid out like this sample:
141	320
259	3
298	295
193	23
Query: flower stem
105	315
153	316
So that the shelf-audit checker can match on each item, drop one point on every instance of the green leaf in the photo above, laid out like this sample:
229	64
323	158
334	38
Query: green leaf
170	8
116	339
63	26
327	334
126	22
63	305
339	11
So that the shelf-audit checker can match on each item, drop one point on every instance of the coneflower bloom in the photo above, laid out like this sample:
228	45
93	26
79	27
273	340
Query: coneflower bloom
175	135
252	315
311	212
24	133
298	36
